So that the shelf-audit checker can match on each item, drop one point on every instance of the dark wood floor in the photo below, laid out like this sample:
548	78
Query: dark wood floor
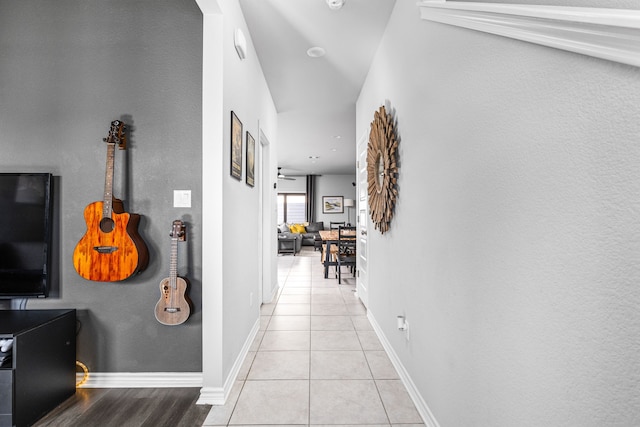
122	407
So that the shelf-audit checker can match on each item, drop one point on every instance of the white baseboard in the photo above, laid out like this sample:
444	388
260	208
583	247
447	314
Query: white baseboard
421	405
219	395
141	379
208	395
274	294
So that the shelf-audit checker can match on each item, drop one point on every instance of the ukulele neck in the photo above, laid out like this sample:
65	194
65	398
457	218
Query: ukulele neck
173	262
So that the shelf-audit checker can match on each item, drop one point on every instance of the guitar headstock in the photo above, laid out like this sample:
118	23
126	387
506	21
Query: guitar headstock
178	230
117	135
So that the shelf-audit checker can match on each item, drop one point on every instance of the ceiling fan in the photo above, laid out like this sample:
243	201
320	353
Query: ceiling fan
283	176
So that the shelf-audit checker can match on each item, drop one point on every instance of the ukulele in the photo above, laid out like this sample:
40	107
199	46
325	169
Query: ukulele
111	249
173	307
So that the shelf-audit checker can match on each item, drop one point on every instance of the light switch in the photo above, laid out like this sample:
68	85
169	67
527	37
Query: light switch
181	198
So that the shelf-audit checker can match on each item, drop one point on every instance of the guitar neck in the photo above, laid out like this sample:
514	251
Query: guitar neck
107	204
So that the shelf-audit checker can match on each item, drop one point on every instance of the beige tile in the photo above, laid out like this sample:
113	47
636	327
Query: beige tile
334	340
246	365
331	323
350	425
256	341
339	365
264	321
267	309
325	291
289	323
369	340
298	284
345	402
285	340
361	323
294	299
292	310
272	402
296	291
219	415
397	402
380	365
280	365
324	283
329	309
356	309
327	299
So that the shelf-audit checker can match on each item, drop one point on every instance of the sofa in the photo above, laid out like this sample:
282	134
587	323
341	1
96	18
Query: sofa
284	245
311	233
308	233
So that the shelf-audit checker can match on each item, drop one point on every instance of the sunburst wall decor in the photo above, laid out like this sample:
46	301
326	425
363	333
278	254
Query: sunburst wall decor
382	169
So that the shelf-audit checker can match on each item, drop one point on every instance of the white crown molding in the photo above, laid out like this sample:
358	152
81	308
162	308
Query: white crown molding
140	379
414	393
611	34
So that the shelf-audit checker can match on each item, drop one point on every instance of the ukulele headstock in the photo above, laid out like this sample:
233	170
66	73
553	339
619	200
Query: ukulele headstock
178	230
117	135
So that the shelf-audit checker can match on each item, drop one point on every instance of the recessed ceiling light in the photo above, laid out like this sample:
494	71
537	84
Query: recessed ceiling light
334	149
316	52
335	4
337	137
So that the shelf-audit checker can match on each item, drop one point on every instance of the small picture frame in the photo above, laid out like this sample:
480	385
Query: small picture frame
332	204
236	147
251	160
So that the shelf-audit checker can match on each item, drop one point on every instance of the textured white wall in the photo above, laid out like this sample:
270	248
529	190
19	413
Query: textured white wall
247	94
514	251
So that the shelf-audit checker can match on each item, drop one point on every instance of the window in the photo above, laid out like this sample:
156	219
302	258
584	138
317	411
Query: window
292	208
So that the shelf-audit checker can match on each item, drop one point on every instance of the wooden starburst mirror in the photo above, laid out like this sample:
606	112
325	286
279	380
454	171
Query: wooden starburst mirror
382	169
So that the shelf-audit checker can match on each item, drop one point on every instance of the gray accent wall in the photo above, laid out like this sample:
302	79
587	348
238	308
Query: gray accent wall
335	185
67	69
513	251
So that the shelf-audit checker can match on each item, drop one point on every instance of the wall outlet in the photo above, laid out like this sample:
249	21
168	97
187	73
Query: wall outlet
250	299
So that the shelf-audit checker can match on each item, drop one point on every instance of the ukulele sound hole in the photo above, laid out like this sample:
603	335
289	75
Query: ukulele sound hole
107	225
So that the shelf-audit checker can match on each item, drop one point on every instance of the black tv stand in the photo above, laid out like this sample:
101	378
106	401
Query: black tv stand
42	373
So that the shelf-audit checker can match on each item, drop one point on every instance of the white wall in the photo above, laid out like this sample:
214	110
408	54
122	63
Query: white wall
231	254
247	94
514	247
296	185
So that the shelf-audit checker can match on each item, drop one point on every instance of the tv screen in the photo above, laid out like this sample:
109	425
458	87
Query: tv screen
25	234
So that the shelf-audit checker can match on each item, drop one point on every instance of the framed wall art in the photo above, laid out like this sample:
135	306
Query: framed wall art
251	160
332	204
236	147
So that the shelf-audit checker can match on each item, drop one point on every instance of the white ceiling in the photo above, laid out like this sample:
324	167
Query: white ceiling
316	97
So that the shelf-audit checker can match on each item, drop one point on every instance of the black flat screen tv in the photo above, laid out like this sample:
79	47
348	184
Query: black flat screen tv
25	234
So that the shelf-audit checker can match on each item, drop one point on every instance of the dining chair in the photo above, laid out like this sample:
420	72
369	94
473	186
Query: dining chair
335	225
346	255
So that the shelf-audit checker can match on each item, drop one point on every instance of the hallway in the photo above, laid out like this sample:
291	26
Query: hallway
316	359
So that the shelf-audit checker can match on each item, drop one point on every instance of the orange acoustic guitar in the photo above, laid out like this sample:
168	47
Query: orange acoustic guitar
173	308
111	249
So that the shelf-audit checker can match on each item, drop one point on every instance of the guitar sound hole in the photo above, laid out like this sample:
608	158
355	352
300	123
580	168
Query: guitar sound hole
107	225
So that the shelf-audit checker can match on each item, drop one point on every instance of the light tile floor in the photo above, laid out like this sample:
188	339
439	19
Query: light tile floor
316	359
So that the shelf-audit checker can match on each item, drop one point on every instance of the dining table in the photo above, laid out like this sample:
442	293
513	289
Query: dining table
329	254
